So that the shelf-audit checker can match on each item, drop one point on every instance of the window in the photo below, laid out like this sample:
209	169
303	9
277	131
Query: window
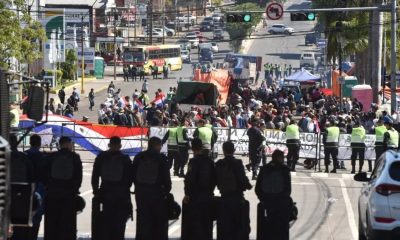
394	171
379	167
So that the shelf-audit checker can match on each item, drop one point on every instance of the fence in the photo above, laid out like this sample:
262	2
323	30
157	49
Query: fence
94	138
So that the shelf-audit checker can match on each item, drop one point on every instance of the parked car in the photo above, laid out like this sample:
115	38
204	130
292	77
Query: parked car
217	17
206	26
164	30
280	28
218	34
379	201
194	41
191	34
310	38
192	19
214	47
209	19
156	35
185	55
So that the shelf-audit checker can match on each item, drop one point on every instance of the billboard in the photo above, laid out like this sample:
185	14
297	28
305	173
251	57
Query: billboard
53	49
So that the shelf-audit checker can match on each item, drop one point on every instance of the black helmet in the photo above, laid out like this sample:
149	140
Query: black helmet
80	204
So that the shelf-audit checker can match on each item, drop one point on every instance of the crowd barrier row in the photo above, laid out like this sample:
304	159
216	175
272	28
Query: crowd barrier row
94	138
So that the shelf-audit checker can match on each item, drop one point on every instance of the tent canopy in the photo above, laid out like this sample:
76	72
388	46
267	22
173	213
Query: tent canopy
189	93
303	76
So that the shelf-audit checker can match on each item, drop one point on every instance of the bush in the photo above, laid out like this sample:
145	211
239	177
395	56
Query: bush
59	75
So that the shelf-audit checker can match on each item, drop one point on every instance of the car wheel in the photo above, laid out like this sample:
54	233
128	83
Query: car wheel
287	32
169	34
361	234
272	31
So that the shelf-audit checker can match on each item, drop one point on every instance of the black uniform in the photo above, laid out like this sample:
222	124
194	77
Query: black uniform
233	215
115	171
273	189
21	172
64	178
152	183
183	148
256	139
61	95
197	222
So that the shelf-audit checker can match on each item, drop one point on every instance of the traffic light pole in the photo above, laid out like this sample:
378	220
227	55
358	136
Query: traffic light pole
393	62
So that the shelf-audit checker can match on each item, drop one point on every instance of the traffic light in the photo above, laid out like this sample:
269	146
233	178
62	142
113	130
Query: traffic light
309	16
238	17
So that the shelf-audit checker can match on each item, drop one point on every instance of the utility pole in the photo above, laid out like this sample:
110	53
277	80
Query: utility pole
163	21
150	29
134	33
383	67
115	43
376	56
188	19
82	57
393	62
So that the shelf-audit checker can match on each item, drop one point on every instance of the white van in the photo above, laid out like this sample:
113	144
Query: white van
308	59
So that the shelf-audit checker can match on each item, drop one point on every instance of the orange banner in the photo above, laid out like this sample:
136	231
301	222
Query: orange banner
218	77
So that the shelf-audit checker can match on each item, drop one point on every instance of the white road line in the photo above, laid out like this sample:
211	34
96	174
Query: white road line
174	228
86	193
320	175
350	213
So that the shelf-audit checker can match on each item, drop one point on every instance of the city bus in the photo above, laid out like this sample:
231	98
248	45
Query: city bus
154	55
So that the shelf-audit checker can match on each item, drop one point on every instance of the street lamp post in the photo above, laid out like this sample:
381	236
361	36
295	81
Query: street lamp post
393	62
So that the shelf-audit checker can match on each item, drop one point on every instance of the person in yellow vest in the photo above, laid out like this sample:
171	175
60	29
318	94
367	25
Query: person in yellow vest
206	134
380	131
391	137
14	116
183	147
331	145
173	151
293	144
357	146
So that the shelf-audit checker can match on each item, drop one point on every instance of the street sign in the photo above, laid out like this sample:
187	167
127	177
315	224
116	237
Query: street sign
274	11
322	43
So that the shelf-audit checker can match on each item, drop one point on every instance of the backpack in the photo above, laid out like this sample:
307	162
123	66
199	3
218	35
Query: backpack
62	168
226	178
112	169
147	172
272	182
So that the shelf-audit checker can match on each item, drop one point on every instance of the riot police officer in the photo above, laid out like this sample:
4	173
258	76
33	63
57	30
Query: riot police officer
64	178
256	139
273	189
21	172
293	144
391	137
233	216
115	171
207	135
197	222
174	158
183	147
380	131
152	183
331	145
357	145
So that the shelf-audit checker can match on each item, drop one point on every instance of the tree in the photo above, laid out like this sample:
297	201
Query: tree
240	31
20	35
69	66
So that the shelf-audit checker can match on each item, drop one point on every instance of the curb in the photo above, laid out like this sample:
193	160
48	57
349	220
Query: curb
249	42
79	83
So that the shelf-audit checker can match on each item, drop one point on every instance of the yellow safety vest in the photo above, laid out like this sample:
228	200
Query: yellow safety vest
205	135
394	138
358	135
379	133
333	135
172	136
209	125
179	132
15	121
292	132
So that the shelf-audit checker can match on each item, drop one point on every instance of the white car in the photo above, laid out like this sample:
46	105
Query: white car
168	32
191	18
156	35
214	47
193	40
379	202
185	55
280	28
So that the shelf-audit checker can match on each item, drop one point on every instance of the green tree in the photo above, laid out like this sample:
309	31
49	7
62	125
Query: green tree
240	31
68	67
20	35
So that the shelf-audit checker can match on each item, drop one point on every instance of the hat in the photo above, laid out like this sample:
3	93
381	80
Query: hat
387	120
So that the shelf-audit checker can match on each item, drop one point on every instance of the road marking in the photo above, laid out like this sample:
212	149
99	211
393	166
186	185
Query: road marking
350	213
86	193
173	229
319	175
303	183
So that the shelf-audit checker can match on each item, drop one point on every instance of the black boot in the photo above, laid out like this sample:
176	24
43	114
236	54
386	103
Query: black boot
333	170
353	170
327	169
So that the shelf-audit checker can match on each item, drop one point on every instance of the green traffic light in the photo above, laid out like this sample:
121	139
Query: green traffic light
247	18
311	16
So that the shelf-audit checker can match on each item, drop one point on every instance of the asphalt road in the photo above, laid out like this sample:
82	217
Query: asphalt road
327	202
